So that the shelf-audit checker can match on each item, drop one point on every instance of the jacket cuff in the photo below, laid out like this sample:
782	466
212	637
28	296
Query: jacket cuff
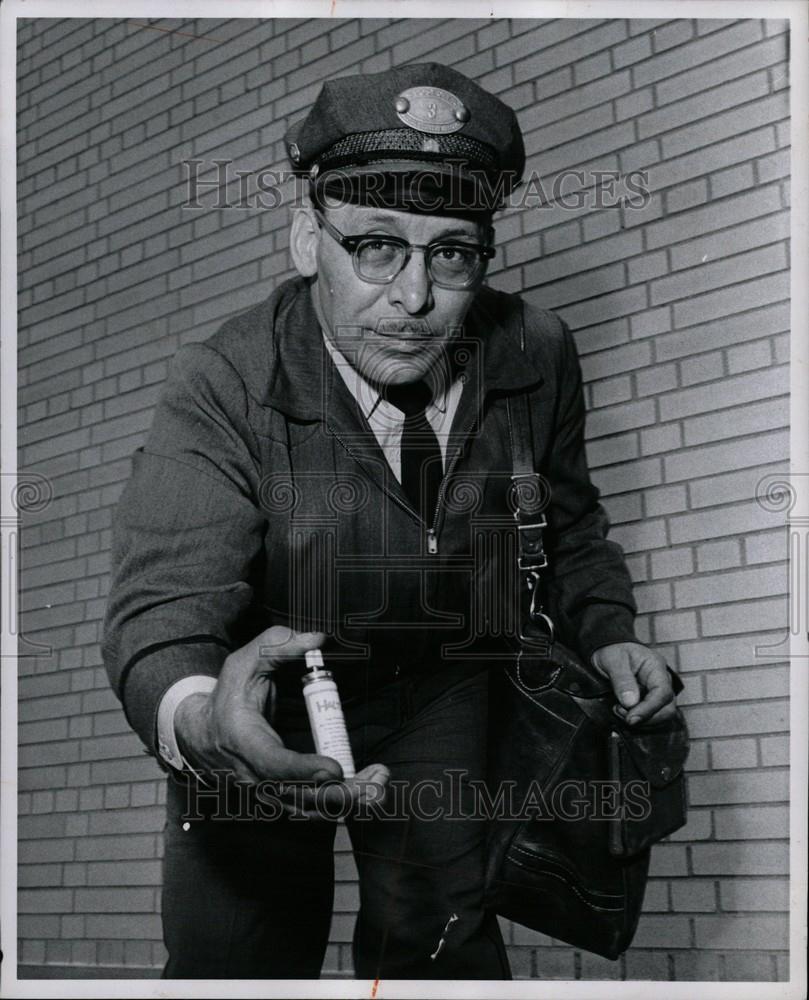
149	676
601	624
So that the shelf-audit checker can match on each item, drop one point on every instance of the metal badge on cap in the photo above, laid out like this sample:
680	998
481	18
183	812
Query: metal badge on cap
431	109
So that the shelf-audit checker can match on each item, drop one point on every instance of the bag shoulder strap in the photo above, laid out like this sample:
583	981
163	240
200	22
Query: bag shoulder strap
529	498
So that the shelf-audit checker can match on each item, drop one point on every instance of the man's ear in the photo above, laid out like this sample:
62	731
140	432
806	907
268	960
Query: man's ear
303	241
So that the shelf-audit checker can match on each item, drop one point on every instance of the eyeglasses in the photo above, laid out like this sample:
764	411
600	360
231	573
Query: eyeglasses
379	259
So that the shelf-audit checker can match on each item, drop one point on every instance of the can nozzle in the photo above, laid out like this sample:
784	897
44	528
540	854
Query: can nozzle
314	660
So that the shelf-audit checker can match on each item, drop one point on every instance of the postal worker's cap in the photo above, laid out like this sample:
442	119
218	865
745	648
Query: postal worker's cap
421	137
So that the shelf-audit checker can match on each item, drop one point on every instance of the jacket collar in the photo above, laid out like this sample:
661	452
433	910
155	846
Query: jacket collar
300	380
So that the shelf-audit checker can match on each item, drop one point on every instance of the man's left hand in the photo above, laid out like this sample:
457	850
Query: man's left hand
640	680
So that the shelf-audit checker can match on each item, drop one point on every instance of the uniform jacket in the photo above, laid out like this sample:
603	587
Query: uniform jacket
261	497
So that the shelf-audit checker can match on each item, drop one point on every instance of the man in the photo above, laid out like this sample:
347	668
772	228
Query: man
325	471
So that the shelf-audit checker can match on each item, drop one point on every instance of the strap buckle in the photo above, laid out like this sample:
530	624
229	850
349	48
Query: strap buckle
531	549
537	617
527	485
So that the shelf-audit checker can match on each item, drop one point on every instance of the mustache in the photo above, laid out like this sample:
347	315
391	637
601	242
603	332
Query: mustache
415	328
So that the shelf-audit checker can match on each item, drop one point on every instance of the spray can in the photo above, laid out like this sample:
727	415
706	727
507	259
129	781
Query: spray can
326	713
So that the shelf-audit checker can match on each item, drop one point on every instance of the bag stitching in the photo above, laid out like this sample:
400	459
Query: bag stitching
592	906
574	874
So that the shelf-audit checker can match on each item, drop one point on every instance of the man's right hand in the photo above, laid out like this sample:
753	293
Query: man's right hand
226	730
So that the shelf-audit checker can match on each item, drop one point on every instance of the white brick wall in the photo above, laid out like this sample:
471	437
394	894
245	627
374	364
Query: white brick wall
680	313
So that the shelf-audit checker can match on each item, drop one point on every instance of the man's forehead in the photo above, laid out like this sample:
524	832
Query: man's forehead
359	218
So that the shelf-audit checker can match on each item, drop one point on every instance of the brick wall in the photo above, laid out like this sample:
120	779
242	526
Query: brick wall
680	313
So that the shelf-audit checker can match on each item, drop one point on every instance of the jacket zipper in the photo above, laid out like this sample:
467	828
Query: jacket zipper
432	536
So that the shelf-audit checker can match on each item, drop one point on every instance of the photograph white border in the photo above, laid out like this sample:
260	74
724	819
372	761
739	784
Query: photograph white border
797	12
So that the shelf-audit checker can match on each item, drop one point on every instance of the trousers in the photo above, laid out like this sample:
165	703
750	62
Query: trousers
251	897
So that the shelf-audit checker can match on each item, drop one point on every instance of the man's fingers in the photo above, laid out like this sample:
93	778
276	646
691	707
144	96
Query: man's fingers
633	671
368	785
372	774
336	799
257	744
658	693
288	765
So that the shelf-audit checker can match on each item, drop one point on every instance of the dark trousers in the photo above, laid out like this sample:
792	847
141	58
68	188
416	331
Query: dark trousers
252	898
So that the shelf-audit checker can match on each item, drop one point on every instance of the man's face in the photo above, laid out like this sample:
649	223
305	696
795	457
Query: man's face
393	333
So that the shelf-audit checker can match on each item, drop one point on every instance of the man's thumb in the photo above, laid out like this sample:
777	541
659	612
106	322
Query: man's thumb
625	687
620	674
622	679
279	644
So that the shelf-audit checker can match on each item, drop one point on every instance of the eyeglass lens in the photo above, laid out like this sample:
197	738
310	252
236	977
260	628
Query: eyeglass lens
382	260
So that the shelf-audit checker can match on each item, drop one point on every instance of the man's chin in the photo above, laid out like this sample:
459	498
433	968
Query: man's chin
398	362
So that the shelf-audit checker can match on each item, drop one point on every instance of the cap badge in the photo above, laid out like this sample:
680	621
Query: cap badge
432	110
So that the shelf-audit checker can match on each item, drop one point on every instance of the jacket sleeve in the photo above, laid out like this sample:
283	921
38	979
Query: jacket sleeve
185	534
590	591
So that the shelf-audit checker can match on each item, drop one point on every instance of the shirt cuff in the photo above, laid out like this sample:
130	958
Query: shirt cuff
166	737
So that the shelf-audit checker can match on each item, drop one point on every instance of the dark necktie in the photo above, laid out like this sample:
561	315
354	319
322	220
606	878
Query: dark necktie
422	467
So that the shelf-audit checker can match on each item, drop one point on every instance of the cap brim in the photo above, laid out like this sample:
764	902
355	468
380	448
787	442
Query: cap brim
437	187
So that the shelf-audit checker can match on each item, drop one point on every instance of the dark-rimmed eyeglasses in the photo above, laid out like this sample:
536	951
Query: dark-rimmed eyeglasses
378	259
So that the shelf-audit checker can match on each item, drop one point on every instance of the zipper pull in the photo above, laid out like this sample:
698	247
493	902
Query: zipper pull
432	542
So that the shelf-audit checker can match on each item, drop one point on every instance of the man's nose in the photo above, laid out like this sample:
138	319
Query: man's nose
412	287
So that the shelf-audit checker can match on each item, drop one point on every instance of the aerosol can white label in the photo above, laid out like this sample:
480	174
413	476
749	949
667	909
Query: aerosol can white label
326	713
